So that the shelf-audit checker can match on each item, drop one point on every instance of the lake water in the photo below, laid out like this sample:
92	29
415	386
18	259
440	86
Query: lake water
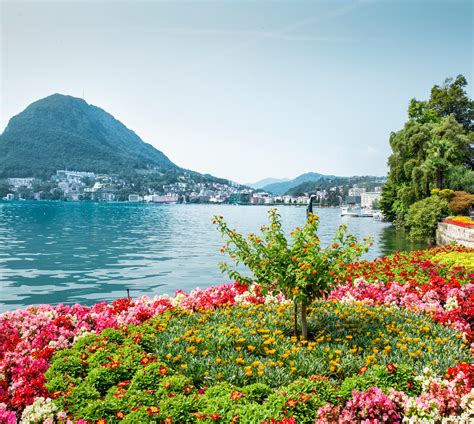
65	252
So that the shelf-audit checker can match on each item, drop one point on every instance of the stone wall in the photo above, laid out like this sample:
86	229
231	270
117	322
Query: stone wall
447	233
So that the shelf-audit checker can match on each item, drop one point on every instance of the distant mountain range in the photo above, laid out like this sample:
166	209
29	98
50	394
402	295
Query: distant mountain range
280	187
64	132
266	181
367	181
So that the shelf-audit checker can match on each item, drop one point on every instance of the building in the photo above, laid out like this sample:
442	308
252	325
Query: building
155	198
134	198
72	175
356	191
352	200
22	182
368	199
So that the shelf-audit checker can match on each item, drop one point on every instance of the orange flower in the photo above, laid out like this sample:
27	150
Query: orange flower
153	410
101	421
304	397
168	420
163	370
145	360
236	395
291	402
120	415
363	369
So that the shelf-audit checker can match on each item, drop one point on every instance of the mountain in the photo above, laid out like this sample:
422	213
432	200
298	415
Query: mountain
65	132
367	181
266	181
283	187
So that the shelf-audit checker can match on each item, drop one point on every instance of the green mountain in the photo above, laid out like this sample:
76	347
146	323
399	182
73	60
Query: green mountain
282	187
64	132
325	183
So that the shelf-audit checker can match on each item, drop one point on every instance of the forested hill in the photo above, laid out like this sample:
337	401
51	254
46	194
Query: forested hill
64	132
325	183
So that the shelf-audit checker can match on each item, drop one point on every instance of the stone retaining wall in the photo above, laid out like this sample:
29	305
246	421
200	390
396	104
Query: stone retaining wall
447	233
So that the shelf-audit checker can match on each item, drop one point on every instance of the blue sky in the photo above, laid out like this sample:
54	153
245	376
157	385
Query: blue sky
242	90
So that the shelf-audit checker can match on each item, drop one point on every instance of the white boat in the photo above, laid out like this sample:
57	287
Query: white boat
357	212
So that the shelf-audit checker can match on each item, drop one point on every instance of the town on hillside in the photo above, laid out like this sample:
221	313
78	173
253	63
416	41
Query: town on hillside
82	186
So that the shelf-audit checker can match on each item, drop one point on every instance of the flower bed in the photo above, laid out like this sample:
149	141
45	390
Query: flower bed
460	221
225	354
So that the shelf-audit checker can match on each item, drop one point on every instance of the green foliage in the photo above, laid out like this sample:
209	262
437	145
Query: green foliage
423	217
433	150
241	360
451	98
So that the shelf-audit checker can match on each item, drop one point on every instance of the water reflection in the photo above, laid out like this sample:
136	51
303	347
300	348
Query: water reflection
86	252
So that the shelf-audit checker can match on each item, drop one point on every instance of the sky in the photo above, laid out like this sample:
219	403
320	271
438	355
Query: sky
242	90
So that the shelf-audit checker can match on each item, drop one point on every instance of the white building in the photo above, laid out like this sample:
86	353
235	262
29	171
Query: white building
356	191
367	199
156	198
21	182
134	198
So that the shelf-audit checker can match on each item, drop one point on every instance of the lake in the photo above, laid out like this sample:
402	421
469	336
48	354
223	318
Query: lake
66	252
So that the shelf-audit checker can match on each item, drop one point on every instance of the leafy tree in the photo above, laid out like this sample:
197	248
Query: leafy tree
423	216
433	150
447	147
300	268
451	98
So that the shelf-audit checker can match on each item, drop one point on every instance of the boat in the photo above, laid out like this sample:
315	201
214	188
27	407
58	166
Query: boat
357	212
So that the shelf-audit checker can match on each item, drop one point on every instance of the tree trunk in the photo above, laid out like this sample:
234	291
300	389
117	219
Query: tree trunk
304	321
295	320
439	179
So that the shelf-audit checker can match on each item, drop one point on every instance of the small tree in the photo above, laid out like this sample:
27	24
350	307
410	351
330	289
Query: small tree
299	268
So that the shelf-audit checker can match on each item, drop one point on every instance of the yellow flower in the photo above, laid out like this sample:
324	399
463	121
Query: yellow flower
251	348
239	360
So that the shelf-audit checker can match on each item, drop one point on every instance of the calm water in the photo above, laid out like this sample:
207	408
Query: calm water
53	252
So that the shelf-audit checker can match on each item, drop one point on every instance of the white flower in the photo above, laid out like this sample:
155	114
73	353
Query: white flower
451	303
39	411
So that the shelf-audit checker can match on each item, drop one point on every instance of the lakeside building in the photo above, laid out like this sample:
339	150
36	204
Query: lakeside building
73	175
367	199
22	182
352	200
356	191
155	198
134	198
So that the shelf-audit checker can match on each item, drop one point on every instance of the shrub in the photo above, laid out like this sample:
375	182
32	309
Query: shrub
423	217
461	202
300	268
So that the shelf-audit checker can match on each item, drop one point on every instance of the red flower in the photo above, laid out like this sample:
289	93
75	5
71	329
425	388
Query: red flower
391	368
363	369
